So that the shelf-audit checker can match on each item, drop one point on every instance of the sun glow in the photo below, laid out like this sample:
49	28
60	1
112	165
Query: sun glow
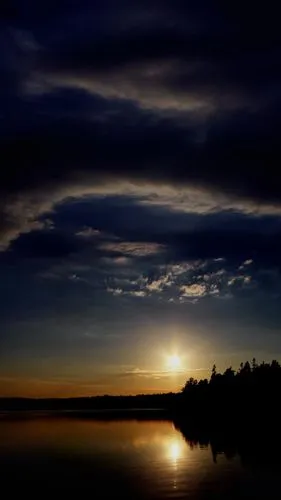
175	451
174	362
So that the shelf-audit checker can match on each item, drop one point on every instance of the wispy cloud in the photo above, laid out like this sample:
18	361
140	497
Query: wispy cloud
157	374
137	293
159	284
134	249
194	290
115	291
89	232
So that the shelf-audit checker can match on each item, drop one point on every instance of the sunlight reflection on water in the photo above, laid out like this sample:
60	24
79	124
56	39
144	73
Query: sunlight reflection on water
175	449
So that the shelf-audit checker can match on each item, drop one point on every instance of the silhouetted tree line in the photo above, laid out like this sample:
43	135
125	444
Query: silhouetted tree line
247	395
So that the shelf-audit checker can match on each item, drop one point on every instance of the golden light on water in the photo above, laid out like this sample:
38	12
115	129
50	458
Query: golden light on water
168	446
174	450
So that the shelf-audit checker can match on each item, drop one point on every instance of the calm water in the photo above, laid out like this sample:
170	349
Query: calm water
122	459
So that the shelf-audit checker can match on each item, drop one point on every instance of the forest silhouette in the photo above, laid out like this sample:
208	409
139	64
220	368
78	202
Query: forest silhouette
252	390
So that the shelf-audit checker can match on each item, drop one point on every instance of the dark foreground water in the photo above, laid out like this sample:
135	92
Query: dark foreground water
126	459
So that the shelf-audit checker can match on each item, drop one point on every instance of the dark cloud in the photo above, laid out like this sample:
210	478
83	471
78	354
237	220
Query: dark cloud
46	244
239	158
112	226
215	69
168	55
233	236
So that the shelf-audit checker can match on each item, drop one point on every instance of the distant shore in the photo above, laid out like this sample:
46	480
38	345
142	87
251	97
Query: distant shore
151	402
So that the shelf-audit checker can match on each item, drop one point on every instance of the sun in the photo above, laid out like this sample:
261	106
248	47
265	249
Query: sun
174	362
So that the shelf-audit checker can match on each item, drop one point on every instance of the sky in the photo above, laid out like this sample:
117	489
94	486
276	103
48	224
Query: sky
140	192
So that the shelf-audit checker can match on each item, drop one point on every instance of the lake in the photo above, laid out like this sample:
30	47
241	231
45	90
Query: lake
127	459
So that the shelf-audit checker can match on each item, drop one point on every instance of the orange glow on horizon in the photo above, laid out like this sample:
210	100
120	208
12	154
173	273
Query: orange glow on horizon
45	389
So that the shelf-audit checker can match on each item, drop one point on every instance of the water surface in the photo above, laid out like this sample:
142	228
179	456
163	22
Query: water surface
126	459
